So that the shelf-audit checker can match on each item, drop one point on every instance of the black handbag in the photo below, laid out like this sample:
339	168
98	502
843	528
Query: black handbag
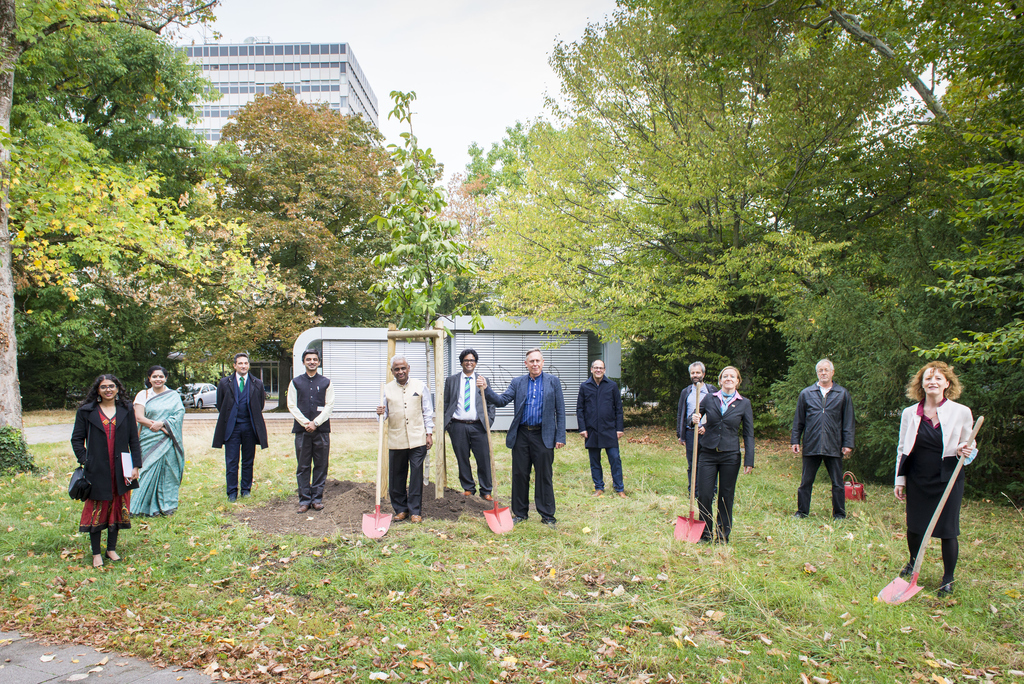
79	488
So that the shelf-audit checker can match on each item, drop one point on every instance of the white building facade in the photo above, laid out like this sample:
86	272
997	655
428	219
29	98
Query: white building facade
355	359
321	72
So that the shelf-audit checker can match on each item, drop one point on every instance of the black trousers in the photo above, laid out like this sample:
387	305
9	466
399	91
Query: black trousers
529	452
406	465
468	437
312	451
834	466
715	467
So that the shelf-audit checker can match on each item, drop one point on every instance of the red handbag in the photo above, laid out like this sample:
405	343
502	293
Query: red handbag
854	489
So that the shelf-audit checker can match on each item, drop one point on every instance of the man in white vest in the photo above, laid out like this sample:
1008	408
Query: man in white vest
409	411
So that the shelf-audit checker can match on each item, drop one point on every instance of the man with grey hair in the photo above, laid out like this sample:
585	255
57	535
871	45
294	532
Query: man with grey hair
409	412
538	428
824	418
689	401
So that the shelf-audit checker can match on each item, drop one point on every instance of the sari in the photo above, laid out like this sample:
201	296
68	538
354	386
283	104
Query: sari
163	456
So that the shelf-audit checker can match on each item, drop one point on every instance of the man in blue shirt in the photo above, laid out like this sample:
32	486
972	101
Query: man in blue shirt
538	428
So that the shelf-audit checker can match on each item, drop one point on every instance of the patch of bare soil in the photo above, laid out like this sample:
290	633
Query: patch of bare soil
344	506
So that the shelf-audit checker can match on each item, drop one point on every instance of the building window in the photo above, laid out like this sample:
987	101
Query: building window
279	49
223	52
304	49
314	49
259	50
288	49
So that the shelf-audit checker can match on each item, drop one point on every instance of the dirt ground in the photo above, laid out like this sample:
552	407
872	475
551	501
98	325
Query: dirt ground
344	506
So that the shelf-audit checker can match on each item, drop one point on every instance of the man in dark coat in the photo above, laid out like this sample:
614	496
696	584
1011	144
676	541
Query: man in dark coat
689	402
538	428
463	419
824	418
599	416
240	399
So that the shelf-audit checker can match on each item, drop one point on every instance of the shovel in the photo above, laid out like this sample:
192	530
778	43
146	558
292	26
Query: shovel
899	590
689	528
500	519
376	524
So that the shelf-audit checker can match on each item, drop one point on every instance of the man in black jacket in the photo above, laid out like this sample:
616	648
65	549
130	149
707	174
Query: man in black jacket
311	401
689	401
824	418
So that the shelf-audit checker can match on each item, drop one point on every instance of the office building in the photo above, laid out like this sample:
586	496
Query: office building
327	73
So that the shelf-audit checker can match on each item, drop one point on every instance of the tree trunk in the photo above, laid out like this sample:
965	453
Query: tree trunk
284	378
10	389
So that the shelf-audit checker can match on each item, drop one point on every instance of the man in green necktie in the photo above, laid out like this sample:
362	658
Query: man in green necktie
240	400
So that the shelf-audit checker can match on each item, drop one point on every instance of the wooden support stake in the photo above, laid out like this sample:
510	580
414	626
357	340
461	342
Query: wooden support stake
441	480
388	377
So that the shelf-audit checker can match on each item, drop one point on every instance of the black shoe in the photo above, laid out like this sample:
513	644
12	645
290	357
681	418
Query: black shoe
838	518
946	589
232	498
908	569
798	514
550	522
245	494
516	520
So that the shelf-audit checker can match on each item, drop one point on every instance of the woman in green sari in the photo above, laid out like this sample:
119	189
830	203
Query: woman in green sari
160	414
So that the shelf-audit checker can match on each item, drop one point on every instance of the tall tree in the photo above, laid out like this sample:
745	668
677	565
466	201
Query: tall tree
308	182
23	25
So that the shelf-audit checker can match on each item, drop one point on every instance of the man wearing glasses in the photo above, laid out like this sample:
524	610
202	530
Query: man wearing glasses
463	419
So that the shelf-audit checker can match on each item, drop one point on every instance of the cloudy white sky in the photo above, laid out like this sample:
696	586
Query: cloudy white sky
477	67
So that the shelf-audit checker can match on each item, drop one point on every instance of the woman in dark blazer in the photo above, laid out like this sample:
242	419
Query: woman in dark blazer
933	435
105	428
718	459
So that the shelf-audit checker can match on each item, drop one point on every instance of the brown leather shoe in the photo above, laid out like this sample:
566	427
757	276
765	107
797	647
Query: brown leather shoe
416	519
487	497
318	507
401	516
467	493
621	495
598	492
302	509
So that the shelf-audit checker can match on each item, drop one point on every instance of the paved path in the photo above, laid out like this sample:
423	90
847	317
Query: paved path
47	434
27	661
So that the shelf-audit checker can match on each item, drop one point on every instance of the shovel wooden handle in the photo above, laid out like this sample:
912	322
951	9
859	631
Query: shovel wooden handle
942	501
380	445
696	435
487	426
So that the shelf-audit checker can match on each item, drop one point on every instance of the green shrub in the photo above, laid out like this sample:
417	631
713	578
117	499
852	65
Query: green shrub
14	455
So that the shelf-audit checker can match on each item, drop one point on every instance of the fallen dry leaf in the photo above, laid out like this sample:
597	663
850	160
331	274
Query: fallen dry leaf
810	569
765	640
46	658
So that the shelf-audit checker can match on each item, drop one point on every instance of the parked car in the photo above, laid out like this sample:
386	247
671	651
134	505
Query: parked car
205	396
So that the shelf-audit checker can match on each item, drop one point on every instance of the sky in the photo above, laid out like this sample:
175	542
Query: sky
476	67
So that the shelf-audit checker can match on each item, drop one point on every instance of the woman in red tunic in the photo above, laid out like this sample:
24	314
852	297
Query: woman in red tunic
105	429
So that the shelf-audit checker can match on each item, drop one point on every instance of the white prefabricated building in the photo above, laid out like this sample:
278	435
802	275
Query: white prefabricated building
355	359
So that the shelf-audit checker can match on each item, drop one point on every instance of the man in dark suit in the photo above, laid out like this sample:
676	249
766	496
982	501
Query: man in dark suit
240	399
599	416
688	403
463	419
538	428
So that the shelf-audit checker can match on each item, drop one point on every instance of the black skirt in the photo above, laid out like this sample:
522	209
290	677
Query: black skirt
925	486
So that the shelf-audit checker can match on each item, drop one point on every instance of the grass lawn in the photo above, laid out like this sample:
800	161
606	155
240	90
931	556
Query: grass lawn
607	596
52	417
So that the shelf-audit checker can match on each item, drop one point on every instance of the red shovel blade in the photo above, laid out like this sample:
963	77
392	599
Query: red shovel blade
376	524
499	520
899	590
688	529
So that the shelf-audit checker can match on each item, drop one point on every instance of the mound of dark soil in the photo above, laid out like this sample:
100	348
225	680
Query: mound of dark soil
344	506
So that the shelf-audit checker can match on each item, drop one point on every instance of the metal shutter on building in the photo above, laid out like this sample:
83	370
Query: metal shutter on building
358	367
502	355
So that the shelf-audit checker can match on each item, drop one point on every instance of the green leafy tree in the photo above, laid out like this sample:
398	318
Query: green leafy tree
22	26
427	250
307	181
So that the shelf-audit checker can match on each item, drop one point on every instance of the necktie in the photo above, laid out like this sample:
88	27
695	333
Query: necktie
241	383
467	395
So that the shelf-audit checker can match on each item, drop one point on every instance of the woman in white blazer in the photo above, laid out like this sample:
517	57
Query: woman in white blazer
933	433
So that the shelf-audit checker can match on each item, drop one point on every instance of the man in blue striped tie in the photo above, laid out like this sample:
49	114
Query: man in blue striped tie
463	419
538	428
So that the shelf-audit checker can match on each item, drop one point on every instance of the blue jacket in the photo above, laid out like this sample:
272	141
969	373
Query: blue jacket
599	413
552	419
